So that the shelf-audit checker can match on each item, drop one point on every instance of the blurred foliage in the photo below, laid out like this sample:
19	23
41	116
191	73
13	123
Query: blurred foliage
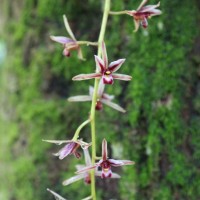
161	129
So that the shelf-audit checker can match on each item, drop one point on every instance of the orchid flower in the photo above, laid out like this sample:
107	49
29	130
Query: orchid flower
70	148
85	175
106	163
102	98
68	43
142	13
105	71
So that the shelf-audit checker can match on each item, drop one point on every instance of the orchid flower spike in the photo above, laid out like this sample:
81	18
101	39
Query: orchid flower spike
70	148
142	13
106	163
85	175
102	98
68	43
105	71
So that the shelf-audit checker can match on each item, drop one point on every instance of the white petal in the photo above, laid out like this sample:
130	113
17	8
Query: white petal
81	77
91	90
58	142
86	169
137	25
74	179
122	77
88	160
87	198
114	175
113	105
68	28
117	163
79	167
80	54
100	89
80	98
57	196
142	4
107	96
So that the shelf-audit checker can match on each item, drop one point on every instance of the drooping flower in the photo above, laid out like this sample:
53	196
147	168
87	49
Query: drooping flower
142	13
102	98
105	71
85	175
70	148
106	163
68	43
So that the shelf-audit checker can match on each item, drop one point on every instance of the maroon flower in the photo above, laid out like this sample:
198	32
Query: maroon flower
142	13
106	163
68	43
70	148
104	70
86	176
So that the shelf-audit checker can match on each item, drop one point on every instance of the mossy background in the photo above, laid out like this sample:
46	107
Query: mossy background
161	129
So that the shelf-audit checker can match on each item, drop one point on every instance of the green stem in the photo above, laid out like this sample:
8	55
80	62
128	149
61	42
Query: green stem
94	98
118	12
76	134
87	43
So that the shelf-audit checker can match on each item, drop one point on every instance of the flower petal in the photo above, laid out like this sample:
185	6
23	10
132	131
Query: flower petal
149	8
84	145
61	39
106	173
68	28
113	105
73	179
115	175
107	79
114	66
104	55
155	12
79	98
79	167
107	97
142	4
137	25
66	52
80	54
99	64
66	150
58	142
86	169
87	198
81	77
88	160
91	90
57	196
117	163
100	89
144	23
122	77
104	150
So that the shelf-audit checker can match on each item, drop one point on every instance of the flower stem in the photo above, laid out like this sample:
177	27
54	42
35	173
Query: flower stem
87	43
94	98
118	12
76	134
